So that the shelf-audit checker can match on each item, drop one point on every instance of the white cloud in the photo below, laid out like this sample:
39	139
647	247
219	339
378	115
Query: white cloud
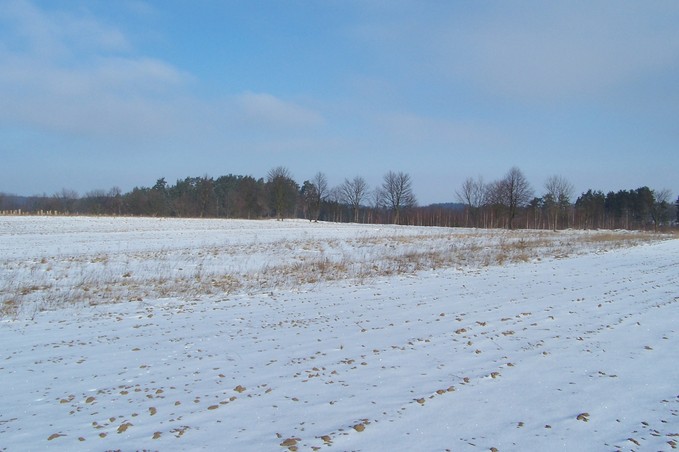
552	51
50	81
268	110
416	131
139	7
113	97
59	34
146	74
69	73
530	50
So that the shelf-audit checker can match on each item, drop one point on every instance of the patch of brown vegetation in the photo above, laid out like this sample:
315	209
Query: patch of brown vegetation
124	426
584	417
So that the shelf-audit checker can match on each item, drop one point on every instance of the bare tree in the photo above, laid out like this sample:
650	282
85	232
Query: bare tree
660	210
66	200
321	184
516	192
495	203
472	193
376	205
334	199
353	193
397	193
557	198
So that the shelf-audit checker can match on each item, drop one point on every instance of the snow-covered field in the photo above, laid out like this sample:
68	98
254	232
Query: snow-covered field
163	334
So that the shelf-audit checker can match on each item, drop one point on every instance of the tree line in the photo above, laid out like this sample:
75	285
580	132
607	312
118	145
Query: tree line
511	201
508	202
236	196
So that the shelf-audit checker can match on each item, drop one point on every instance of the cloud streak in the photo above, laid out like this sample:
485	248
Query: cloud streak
59	34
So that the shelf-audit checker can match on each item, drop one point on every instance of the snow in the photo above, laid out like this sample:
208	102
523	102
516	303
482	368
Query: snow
544	352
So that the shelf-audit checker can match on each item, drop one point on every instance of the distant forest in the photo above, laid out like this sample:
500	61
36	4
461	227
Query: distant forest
509	202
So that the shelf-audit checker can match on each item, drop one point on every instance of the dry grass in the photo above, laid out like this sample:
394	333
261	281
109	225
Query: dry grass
51	282
9	308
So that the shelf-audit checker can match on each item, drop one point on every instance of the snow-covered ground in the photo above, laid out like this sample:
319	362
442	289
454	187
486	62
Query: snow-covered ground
157	334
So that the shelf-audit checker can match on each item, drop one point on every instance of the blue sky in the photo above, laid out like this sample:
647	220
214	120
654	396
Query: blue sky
100	93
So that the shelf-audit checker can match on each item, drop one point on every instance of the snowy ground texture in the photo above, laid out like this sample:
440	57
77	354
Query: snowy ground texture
155	334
